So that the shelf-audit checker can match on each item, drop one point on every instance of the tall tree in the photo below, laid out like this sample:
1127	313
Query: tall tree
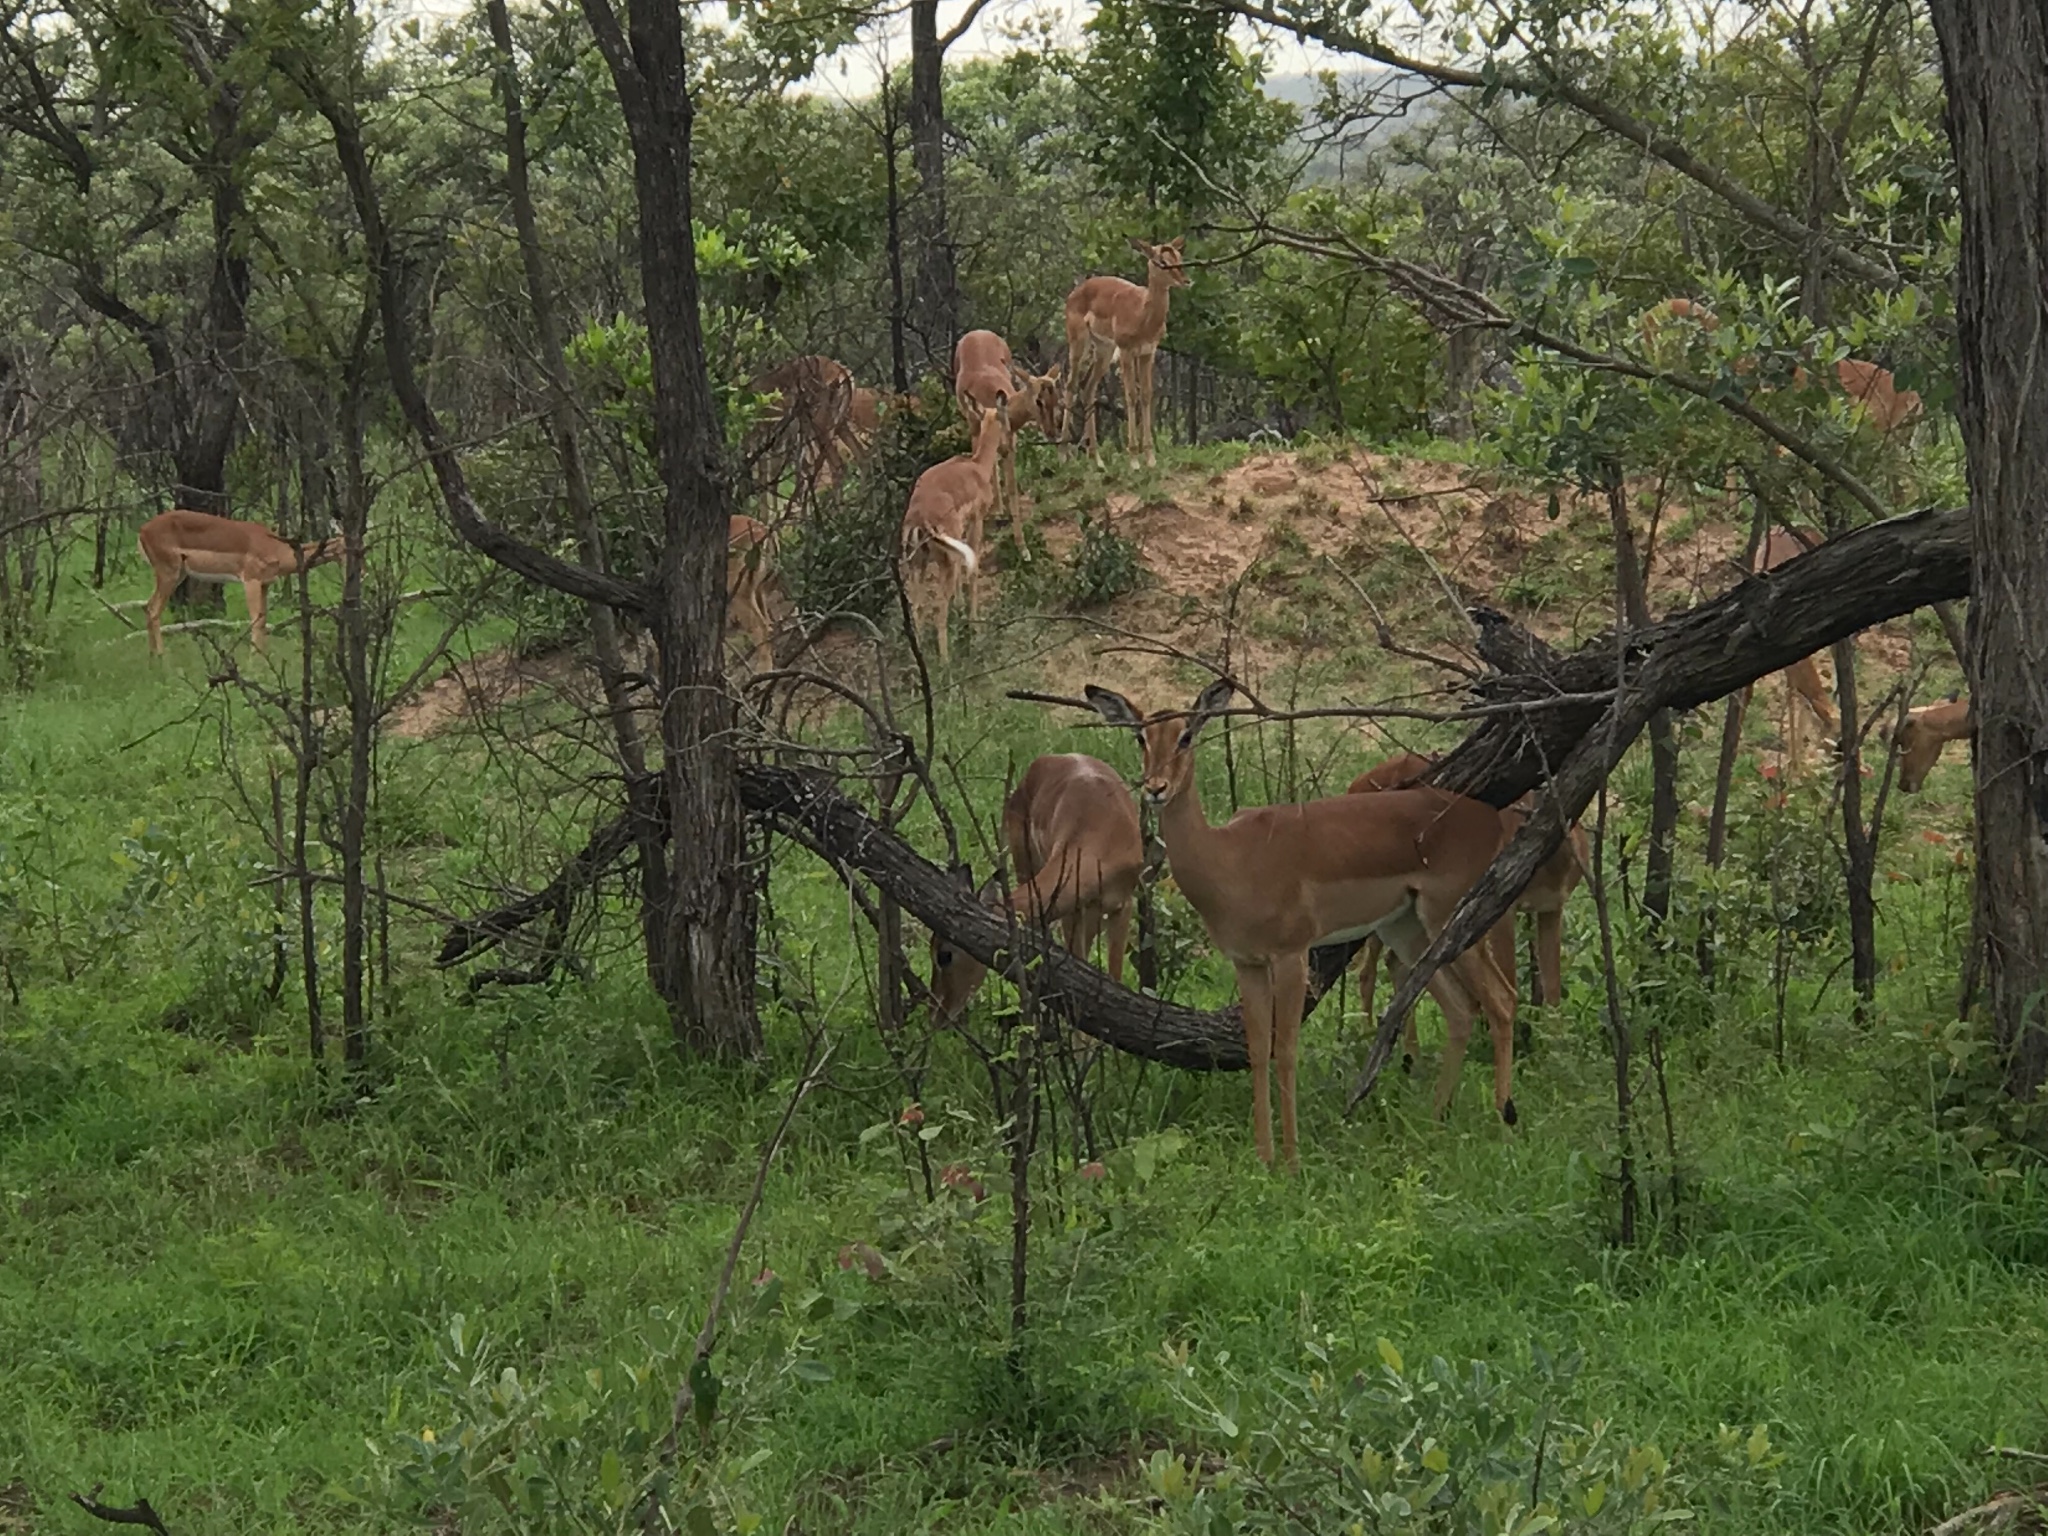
935	310
700	954
1994	56
100	106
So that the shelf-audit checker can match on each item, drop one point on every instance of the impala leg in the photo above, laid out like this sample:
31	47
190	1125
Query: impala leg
259	631
945	607
1145	365
1549	957
1119	938
1127	368
153	610
1290	994
1255	991
1451	996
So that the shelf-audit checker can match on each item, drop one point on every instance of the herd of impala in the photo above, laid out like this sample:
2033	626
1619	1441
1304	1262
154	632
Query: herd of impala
1387	862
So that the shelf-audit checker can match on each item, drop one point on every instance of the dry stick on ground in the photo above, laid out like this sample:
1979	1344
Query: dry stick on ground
138	1513
1764	625
816	1055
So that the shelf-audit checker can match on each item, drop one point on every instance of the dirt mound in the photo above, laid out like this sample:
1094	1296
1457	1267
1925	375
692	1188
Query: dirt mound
483	685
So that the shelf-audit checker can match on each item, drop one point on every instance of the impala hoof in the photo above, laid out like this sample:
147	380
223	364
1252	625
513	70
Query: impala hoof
1507	1112
1407	1065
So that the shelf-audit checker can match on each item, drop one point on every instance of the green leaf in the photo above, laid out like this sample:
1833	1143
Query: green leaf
809	1369
1391	1356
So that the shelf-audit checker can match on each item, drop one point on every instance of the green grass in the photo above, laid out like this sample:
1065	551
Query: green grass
225	1289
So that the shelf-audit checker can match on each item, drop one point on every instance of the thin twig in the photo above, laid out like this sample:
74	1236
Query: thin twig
818	1054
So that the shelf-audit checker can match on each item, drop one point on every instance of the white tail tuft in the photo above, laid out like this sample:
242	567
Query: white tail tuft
962	549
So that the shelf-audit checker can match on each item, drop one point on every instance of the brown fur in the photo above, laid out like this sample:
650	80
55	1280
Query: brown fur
1110	321
1277	880
179	543
1071	830
941	543
983	371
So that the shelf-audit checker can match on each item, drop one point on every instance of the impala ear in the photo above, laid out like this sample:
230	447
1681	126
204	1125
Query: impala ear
1141	248
1207	703
1214	697
1114	707
1052	374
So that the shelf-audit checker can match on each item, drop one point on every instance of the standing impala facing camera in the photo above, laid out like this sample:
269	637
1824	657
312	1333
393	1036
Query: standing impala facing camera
1278	880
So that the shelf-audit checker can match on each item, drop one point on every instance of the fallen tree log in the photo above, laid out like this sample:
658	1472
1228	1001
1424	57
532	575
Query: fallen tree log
1761	626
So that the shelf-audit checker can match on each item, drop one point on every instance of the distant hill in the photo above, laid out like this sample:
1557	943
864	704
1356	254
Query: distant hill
1304	89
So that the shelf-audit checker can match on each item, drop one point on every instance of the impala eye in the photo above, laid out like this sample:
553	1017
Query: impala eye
1187	738
945	957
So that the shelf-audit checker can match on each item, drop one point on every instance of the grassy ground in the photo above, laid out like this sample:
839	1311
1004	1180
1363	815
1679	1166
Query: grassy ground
224	1290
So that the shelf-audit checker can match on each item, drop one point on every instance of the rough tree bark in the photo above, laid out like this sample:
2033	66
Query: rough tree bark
1994	56
935	304
705	971
1851	583
1761	627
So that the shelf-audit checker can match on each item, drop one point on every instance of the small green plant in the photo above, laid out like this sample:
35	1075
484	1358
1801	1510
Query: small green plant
1104	565
1350	1446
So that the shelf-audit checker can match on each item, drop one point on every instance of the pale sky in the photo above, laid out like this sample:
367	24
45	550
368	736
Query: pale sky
854	72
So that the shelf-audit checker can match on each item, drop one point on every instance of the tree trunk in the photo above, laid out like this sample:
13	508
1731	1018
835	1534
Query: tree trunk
1859	841
935	308
627	738
899	358
362	714
1994	56
1635	607
1705	653
704	970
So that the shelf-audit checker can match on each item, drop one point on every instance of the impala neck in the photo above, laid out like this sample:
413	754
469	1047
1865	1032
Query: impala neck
1157	292
1184	828
987	445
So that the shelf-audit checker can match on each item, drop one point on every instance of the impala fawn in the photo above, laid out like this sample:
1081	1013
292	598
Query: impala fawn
941	545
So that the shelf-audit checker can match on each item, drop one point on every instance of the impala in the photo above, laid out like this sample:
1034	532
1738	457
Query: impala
1278	880
809	428
178	544
1109	321
1924	732
1543	898
1075	852
941	545
983	372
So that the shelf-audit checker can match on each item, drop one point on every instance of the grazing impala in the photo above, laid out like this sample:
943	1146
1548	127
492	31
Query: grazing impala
749	569
983	371
1278	880
1109	321
1543	898
1071	829
178	544
941	545
808	431
1922	735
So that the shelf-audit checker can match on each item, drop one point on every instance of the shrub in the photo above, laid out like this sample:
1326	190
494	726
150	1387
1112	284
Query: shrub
1104	565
